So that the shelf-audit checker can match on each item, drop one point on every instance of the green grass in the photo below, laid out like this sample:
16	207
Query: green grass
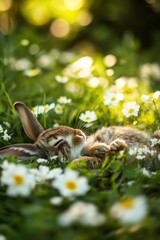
34	217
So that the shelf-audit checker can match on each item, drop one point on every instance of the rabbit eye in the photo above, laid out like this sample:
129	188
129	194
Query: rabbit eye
59	141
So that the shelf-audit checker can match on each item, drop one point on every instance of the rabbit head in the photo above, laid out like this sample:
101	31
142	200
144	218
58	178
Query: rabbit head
57	141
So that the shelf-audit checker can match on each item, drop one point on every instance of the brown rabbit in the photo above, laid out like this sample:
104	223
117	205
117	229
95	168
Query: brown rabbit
72	143
59	141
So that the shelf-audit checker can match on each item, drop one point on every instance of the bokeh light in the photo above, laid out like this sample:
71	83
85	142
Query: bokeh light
73	5
5	5
60	28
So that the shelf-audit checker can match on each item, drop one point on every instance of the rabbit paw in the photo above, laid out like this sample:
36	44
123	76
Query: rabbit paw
98	150
63	149
86	161
117	145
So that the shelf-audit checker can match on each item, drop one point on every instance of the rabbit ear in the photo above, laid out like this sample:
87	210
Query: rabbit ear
30	123
22	151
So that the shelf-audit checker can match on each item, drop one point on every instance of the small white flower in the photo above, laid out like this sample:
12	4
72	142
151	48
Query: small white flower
18	179
44	61
70	184
81	68
48	107
59	109
2	237
5	136
131	109
154	141
56	200
88	116
64	100
44	173
22	64
42	109
86	214
112	99
146	173
1	129
61	79
150	70
32	72
156	94
146	98
42	160
130	210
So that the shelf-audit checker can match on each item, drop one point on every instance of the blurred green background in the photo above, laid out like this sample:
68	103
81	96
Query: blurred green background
92	24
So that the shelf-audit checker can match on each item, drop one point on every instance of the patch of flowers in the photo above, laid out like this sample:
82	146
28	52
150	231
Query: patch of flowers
4	134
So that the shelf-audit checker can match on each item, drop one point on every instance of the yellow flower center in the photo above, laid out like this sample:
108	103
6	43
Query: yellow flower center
113	98
18	179
71	185
46	108
131	110
127	203
88	118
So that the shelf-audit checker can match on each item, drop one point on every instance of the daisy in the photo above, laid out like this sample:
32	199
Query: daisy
32	72
88	116
70	184
131	109
44	173
22	64
1	129
61	79
5	136
42	109
113	99
64	100
56	200
42	160
156	95
18	179
130	210
146	98
59	109
83	213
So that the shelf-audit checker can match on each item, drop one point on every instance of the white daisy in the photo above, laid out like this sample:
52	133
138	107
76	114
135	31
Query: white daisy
88	116
112	99
61	79
70	184
131	109
32	72
156	95
2	237
146	98
56	200
6	136
44	173
130	210
59	109
64	100
1	129
83	213
22	64
42	160
18	179
42	109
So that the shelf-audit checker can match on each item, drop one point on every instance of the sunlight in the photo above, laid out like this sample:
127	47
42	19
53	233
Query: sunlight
60	28
73	5
5	5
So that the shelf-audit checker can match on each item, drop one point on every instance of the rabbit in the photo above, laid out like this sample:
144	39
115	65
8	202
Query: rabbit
63	141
